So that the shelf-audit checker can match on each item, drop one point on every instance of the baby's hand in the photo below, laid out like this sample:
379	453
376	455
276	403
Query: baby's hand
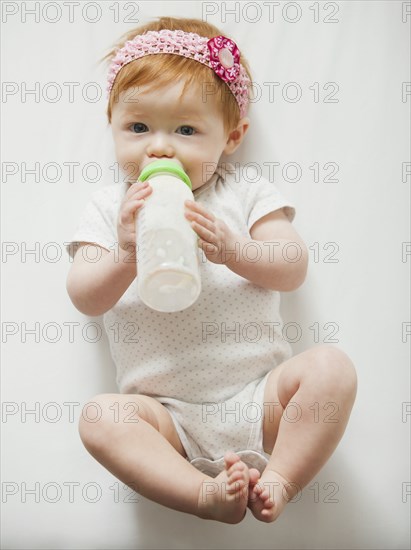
215	237
132	202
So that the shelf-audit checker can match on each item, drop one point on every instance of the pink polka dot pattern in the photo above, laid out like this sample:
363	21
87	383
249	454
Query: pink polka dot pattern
225	342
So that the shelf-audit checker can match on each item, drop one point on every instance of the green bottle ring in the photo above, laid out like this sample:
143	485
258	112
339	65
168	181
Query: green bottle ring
164	166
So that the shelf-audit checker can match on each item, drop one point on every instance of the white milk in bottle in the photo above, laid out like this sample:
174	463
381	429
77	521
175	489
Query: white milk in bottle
168	274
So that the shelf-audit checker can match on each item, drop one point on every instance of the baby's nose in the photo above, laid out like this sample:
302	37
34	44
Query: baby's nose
160	146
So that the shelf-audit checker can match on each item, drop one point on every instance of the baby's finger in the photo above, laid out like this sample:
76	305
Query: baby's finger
139	194
196	206
128	211
142	193
203	232
136	188
200	220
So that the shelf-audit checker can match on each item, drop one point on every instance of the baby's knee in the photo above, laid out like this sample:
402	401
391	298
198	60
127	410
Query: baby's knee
334	367
95	422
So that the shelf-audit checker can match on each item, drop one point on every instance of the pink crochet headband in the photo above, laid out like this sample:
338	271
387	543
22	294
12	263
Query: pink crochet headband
219	53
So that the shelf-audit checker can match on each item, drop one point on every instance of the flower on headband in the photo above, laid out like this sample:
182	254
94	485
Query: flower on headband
224	58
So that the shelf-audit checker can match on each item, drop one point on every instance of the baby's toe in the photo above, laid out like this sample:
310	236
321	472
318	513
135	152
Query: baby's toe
263	495
266	500
238	467
257	489
268	503
254	475
230	458
237	474
236	486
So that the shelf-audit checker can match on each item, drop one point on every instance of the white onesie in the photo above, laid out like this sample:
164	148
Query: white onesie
209	363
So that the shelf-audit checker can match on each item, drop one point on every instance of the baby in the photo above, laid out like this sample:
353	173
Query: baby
214	416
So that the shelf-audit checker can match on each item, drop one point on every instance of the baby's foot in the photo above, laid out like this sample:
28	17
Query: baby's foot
268	496
225	497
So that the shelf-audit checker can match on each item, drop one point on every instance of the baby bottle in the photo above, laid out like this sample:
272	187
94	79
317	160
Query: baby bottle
168	274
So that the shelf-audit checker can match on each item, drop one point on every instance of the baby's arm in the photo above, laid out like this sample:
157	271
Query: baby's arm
277	259
282	255
95	287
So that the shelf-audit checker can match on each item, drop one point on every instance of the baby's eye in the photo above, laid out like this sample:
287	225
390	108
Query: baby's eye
187	130
139	127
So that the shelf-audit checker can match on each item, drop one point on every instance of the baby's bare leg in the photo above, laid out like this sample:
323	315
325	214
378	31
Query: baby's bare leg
313	394
135	439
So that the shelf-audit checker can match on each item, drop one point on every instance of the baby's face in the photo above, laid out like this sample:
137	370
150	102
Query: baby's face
151	126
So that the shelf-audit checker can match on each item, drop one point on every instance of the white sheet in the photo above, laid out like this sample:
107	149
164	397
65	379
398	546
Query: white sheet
355	295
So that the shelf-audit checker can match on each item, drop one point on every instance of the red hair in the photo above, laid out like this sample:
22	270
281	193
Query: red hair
159	70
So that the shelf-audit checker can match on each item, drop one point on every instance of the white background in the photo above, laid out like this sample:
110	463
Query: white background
360	221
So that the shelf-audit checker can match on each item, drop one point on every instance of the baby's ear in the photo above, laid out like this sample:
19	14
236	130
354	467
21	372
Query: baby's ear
236	136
